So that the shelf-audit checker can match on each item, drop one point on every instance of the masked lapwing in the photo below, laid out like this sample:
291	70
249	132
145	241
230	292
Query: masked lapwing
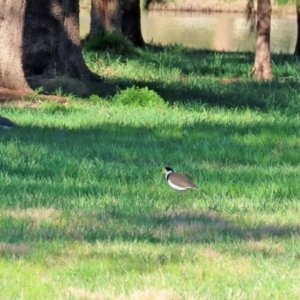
177	181
6	123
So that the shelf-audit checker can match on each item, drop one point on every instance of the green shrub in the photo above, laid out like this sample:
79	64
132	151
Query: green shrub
136	96
107	41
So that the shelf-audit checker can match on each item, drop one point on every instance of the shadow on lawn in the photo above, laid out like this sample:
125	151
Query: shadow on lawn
208	77
219	79
204	62
128	148
181	227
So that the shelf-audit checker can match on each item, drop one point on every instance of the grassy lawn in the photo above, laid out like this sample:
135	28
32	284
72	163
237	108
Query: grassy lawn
85	212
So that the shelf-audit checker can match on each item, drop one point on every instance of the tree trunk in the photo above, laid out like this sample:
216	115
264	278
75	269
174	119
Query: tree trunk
122	16
11	43
297	48
69	48
262	66
97	17
105	15
51	39
131	21
39	37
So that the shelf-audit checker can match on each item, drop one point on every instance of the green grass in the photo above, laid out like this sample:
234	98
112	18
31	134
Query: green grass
85	212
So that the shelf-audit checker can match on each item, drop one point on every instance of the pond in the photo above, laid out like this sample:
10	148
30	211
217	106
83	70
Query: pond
218	31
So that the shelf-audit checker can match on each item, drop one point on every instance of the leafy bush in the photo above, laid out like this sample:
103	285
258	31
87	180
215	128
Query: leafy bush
105	40
136	96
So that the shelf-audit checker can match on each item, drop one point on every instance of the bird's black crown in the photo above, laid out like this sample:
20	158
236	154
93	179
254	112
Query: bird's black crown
169	169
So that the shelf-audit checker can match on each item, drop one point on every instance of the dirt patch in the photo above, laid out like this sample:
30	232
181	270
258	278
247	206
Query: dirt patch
264	247
148	294
15	250
60	89
9	95
230	80
37	216
21	98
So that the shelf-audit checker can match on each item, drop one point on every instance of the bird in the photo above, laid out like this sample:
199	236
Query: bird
6	123
177	181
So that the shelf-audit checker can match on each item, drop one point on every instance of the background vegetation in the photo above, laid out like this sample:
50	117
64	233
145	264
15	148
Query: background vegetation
279	6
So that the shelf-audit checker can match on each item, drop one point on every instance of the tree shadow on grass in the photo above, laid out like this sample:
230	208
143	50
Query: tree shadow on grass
240	94
143	151
207	77
223	93
201	62
171	227
146	146
127	148
205	62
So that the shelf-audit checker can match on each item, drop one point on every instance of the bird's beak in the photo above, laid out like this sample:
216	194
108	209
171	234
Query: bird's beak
164	171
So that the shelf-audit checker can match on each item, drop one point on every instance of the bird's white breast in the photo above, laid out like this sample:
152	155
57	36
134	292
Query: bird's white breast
176	187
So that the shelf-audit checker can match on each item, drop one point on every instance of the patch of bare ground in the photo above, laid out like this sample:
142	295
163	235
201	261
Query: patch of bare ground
263	247
56	89
194	227
20	99
230	80
16	250
37	215
9	95
148	294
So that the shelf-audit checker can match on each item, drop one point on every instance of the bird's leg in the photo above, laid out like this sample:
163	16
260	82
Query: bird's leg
177	199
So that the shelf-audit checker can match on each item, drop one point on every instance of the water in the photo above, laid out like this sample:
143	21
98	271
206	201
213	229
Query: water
218	31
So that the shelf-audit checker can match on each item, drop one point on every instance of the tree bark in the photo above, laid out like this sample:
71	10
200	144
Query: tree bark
262	66
297	48
39	37
11	43
51	39
105	15
69	48
121	16
97	17
131	21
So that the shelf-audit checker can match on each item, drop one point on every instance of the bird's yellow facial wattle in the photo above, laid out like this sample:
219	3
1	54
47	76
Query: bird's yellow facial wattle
164	171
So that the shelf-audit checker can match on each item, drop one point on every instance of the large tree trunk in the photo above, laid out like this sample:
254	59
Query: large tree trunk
122	16
39	37
131	21
51	39
69	49
262	66
11	43
105	15
297	48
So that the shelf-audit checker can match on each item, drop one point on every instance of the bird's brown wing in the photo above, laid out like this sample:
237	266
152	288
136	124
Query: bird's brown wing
181	180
